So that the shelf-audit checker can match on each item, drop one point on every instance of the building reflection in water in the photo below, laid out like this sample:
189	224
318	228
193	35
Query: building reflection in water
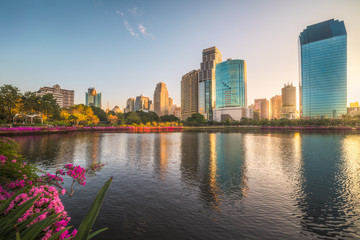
161	148
332	185
213	166
93	148
47	151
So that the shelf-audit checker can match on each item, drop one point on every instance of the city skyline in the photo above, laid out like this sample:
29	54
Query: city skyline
102	44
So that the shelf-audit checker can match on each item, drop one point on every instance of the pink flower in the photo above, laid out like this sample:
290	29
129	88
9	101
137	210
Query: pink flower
63	191
14	160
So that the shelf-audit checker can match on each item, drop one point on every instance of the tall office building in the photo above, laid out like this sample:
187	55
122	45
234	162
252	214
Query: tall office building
64	98
142	103
161	99
276	104
323	57
207	89
93	98
231	91
288	94
189	94
130	105
231	84
262	106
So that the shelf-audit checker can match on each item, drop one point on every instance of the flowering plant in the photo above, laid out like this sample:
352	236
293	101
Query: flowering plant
16	174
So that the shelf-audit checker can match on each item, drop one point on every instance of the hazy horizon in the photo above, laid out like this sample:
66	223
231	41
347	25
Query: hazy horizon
124	48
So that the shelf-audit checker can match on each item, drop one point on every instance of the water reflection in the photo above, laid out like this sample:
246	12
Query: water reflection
206	185
331	187
214	164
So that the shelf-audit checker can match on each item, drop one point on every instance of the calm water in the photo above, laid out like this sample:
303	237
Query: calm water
239	185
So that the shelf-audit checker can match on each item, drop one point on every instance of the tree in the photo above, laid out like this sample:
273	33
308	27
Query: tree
101	114
79	114
10	97
49	107
196	119
30	102
169	118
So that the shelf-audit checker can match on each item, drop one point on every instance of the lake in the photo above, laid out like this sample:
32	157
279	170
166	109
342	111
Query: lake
213	185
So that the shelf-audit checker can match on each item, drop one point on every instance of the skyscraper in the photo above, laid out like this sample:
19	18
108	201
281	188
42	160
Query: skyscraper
130	105
142	103
276	104
189	94
231	92
231	84
93	98
323	62
210	57
288	94
64	98
262	106
161	99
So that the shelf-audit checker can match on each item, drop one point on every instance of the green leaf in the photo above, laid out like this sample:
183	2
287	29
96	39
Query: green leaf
8	201
56	235
33	231
89	219
96	233
23	225
7	223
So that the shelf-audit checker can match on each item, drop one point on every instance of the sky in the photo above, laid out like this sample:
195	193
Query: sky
124	48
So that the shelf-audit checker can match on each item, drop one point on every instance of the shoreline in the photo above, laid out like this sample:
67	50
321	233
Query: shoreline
15	131
270	128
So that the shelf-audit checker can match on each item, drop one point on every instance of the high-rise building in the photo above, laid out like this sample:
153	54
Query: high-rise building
130	105
276	104
262	106
64	98
161	99
142	103
189	94
231	91
323	62
93	98
231	84
288	94
207	86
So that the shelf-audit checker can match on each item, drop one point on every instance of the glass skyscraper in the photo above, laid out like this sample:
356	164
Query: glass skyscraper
210	57
93	98
231	84
323	62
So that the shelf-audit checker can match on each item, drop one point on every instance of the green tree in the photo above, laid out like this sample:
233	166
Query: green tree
101	114
49	107
30	102
196	119
169	118
10	97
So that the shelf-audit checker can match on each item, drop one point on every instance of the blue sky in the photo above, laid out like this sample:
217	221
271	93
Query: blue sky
124	48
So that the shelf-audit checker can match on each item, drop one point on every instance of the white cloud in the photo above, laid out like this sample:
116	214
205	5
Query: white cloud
130	29
119	13
142	29
134	11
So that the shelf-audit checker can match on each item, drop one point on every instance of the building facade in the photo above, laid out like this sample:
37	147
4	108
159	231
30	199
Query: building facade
276	105
93	98
189	94
230	78
207	86
261	105
232	114
64	98
161	99
288	94
142	103
323	62
130	105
